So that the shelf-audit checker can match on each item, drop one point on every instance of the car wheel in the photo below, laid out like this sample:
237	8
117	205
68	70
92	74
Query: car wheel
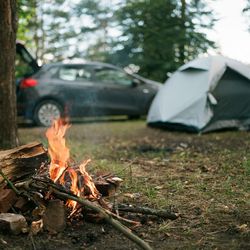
46	112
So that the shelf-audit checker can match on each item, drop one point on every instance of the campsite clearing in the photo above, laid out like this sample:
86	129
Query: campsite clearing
206	178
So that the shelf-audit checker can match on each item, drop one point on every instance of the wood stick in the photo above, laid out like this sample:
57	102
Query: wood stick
9	182
163	213
121	219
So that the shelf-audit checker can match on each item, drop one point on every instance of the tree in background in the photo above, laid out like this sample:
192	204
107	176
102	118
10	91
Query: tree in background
25	13
48	28
58	30
159	36
147	31
8	27
195	19
96	19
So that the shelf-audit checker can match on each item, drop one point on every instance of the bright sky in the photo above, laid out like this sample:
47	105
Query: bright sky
231	30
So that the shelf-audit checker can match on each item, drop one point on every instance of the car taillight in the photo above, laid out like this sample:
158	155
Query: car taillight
28	83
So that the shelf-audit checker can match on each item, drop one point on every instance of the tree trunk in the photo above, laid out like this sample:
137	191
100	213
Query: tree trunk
8	27
183	31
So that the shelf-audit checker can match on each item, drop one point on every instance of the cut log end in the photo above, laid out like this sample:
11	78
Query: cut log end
21	162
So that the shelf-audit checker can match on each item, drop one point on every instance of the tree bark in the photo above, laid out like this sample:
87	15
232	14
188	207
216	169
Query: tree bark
8	27
183	31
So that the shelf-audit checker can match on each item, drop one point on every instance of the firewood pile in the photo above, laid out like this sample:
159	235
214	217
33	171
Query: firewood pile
40	190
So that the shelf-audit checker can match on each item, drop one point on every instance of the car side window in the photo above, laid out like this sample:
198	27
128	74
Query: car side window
112	76
74	73
48	72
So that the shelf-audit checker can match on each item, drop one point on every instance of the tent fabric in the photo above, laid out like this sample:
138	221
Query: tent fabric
205	94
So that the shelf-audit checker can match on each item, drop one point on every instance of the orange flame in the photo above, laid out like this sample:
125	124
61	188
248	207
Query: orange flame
60	167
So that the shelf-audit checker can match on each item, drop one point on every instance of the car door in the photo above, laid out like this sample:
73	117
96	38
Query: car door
116	93
78	89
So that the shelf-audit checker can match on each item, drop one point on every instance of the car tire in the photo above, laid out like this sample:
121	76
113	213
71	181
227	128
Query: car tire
46	111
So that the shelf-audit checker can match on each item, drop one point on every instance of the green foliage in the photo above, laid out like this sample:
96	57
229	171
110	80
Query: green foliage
26	12
158	36
46	28
161	35
246	166
97	19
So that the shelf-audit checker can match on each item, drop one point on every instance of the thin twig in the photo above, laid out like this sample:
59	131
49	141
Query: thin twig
129	222
9	183
32	241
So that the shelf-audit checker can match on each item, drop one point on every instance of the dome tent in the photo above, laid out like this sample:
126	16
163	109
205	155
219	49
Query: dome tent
205	94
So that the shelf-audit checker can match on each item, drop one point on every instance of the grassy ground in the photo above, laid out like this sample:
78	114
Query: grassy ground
206	178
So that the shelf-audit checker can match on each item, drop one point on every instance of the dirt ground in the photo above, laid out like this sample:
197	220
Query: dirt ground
205	178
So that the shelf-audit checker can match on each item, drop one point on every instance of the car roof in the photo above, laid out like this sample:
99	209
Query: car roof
97	64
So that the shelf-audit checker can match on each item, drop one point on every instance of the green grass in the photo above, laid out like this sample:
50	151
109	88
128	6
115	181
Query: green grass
246	165
207	180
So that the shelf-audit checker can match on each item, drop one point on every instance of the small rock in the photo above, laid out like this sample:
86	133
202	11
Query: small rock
183	145
13	223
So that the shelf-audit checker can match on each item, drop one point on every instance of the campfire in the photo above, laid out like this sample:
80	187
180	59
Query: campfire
49	192
61	170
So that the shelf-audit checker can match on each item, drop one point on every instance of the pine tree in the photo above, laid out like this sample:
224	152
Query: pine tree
159	36
48	28
96	20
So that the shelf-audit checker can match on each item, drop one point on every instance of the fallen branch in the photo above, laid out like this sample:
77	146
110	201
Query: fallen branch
163	213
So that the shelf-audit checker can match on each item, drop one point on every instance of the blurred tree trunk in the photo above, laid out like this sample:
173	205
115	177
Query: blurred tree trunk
8	27
183	30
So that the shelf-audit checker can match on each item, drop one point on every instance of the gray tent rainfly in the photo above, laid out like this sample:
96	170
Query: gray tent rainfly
206	94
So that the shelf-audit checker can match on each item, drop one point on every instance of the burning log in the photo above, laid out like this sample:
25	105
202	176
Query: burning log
21	162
